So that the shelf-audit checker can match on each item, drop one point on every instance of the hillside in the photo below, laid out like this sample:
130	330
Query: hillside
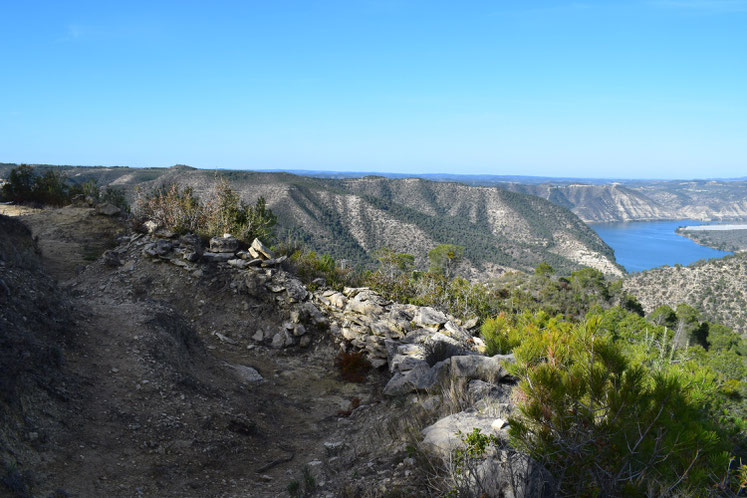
592	200
352	218
645	200
724	240
717	288
173	366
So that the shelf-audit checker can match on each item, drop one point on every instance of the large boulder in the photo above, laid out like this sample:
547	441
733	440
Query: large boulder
420	378
487	368
429	318
442	438
366	302
108	209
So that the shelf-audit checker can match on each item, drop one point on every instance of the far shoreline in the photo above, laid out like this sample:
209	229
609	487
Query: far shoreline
704	228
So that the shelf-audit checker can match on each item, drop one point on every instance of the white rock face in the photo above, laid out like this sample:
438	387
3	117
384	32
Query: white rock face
441	437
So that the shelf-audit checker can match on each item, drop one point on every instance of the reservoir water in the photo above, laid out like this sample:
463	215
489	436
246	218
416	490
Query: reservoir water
640	245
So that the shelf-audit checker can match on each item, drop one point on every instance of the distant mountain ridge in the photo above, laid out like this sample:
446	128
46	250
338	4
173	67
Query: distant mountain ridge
594	200
352	218
597	200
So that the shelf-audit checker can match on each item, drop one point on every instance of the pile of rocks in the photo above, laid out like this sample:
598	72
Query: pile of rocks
390	333
252	270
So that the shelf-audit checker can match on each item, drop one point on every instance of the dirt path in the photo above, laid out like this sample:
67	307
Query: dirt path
69	238
159	407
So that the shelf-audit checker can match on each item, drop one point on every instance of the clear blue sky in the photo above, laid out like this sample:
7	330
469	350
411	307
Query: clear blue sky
600	89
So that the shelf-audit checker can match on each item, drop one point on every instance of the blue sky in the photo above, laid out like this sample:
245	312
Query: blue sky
599	89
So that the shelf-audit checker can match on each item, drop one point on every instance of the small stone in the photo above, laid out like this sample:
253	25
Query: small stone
259	335
247	374
217	257
151	226
225	338
191	256
275	287
377	362
498	424
111	258
259	247
333	447
274	262
299	330
278	340
305	341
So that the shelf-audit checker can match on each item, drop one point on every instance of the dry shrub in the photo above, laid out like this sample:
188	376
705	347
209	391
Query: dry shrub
353	366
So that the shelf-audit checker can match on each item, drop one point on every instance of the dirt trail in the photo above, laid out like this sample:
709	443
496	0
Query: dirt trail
159	407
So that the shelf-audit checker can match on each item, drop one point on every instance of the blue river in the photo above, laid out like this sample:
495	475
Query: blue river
640	245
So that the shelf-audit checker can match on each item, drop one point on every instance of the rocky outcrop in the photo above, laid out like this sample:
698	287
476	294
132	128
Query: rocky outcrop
391	333
423	349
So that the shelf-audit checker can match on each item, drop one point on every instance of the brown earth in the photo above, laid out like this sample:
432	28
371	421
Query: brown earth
154	405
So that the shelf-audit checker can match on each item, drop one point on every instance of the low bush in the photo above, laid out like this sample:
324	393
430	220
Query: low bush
309	266
172	207
181	211
603	425
500	334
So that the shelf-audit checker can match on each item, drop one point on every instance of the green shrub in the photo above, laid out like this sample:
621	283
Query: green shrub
181	211
445	258
225	212
24	185
605	426
20	185
310	266
176	209
500	334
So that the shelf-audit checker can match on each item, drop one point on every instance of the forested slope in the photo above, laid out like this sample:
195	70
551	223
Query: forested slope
351	219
